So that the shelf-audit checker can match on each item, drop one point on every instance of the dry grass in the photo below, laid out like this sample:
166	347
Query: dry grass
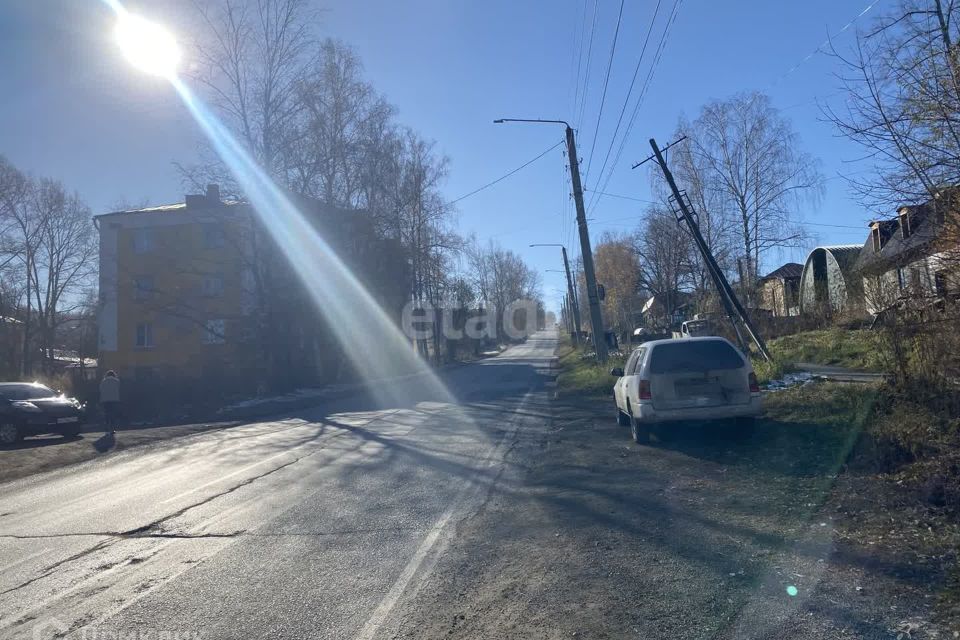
580	374
856	348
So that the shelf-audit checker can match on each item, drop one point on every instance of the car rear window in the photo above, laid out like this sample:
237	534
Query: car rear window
694	355
25	392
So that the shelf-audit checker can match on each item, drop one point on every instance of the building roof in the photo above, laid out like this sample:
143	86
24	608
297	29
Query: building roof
785	272
164	208
896	250
845	254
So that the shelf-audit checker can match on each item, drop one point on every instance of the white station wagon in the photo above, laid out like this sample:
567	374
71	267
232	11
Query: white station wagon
691	379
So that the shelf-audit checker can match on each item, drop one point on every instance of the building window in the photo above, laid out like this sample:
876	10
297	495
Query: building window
142	240
213	236
940	282
901	281
212	286
143	288
144	335
905	223
214	332
916	280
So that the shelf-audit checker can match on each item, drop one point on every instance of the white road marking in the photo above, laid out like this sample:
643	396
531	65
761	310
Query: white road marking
422	558
386	605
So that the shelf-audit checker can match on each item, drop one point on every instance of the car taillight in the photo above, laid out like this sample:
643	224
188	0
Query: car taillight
754	385
645	390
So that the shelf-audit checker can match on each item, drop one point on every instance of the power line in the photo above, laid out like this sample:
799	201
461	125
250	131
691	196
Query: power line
618	222
661	46
615	195
819	48
583	36
506	175
603	96
633	81
586	71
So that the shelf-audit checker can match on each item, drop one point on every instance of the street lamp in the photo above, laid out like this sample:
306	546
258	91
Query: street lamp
571	290
596	317
147	45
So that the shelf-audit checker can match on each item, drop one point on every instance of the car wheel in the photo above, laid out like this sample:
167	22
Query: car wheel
743	427
10	433
622	419
639	431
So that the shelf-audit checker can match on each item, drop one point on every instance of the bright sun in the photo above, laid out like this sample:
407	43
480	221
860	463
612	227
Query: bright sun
147	45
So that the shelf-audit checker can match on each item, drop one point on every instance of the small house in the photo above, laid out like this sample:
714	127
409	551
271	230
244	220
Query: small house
906	257
779	290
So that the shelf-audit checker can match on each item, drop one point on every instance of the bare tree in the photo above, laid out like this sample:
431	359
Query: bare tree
902	84
304	111
65	260
663	250
902	88
748	157
500	277
255	57
716	217
48	245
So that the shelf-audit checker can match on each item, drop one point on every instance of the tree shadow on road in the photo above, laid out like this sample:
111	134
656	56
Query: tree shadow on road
802	449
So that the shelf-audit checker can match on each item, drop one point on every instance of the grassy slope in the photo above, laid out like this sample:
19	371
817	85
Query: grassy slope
839	347
582	375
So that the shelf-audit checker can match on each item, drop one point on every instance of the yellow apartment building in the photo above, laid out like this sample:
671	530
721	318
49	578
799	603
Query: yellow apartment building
173	288
178	298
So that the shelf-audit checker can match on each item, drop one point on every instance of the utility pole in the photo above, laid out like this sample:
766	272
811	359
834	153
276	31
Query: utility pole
586	251
596	318
572	306
730	301
572	297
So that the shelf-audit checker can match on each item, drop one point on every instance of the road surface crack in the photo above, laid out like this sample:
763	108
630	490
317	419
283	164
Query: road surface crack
150	530
155	528
56	565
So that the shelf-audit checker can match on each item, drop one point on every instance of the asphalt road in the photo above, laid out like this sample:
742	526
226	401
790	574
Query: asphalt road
496	511
317	525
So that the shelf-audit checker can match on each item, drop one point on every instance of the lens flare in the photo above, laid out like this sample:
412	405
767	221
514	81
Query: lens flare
147	45
376	347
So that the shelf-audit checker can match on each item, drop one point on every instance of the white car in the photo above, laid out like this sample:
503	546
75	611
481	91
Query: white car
685	379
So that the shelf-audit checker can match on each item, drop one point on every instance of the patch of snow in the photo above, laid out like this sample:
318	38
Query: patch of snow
790	380
293	396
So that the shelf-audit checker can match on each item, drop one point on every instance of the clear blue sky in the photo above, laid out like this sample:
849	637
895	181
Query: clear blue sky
73	110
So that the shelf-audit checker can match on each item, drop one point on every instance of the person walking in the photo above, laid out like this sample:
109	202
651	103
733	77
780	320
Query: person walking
110	401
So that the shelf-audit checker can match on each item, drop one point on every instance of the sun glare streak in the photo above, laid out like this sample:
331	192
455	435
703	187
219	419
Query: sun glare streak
373	343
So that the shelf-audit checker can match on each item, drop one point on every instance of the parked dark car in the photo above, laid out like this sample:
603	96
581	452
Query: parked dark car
28	409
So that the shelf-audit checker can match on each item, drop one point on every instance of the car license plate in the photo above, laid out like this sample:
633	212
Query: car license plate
69	419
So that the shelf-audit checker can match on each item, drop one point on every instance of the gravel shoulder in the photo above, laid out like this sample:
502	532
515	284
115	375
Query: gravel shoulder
590	535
